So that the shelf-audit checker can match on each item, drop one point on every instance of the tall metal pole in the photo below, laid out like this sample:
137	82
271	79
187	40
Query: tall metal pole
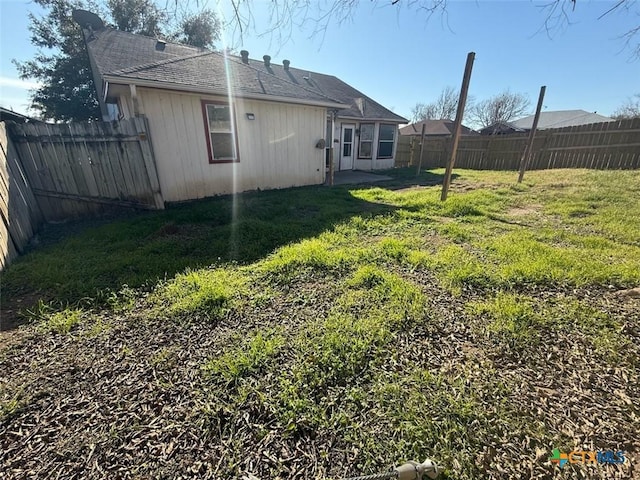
456	129
532	134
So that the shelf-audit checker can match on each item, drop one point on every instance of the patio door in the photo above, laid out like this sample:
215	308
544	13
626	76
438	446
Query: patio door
347	146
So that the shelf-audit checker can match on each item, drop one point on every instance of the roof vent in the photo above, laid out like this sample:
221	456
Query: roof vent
267	60
286	64
160	44
245	56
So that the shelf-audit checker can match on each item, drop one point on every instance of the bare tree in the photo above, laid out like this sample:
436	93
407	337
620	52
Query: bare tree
629	109
503	107
557	16
444	107
285	15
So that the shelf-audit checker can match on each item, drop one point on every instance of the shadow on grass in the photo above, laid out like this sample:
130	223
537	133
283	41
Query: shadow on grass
404	178
84	262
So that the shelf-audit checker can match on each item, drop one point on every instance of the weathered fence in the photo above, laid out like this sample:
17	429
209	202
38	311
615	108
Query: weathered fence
81	169
608	145
19	210
57	172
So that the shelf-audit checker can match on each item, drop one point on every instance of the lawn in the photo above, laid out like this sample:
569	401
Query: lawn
330	332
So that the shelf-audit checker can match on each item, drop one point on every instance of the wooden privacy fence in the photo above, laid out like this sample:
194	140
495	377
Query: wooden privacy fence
608	145
21	215
81	169
56	172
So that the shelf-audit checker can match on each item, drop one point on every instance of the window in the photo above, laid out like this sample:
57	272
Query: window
385	141
220	129
347	141
366	140
113	109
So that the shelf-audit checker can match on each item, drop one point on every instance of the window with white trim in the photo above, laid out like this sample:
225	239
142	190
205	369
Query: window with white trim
220	128
386	136
366	140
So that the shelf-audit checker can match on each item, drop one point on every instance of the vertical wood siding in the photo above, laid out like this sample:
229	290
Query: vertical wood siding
276	150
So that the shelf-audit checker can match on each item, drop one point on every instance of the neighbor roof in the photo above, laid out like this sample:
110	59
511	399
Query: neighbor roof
561	118
121	55
434	127
500	128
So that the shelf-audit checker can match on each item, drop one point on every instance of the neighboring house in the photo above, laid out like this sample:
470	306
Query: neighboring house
501	128
554	119
435	128
221	123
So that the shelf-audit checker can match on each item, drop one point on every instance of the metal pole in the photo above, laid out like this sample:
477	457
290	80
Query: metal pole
333	130
532	134
456	129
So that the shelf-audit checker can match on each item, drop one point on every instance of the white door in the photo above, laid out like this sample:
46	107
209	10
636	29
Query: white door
347	147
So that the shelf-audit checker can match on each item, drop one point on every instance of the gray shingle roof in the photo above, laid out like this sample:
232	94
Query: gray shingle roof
434	127
114	50
560	118
360	105
121	54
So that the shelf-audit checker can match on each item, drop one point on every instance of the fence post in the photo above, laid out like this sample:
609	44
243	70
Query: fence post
532	134
456	128
142	128
424	126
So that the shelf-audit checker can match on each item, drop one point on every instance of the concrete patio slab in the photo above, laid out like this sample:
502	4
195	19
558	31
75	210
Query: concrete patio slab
349	177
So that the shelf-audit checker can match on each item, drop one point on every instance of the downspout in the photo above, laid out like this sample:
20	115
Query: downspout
134	99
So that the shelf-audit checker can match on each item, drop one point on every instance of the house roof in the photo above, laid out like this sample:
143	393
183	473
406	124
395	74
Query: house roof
129	57
7	114
560	118
360	106
501	128
434	127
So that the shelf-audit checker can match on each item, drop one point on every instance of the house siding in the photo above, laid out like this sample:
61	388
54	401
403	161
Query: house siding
276	150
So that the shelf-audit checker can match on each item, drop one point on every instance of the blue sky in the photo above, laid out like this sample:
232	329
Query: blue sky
399	57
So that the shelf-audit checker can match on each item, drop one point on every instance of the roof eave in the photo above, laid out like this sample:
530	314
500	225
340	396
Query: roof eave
374	119
119	79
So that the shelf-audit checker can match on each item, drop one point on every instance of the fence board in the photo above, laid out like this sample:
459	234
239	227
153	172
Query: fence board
20	216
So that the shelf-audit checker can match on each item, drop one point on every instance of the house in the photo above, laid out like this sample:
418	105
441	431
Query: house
501	128
220	123
552	119
9	115
435	128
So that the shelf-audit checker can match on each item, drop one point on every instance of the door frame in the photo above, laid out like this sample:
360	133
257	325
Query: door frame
353	144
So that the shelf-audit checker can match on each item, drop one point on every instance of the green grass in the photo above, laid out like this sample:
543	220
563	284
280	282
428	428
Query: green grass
510	316
470	238
357	277
63	321
205	293
522	322
254	353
